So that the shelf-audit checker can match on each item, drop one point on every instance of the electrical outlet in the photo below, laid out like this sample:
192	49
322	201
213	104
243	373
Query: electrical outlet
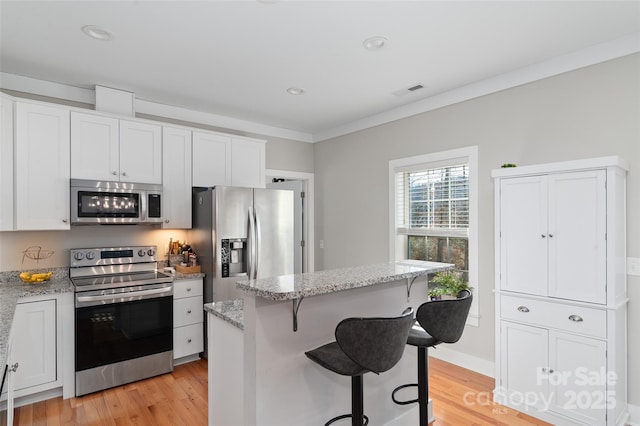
633	266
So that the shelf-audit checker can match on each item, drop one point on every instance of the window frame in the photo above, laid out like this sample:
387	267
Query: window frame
397	241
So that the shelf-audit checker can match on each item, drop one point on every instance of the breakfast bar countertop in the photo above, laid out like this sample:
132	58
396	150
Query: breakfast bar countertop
291	287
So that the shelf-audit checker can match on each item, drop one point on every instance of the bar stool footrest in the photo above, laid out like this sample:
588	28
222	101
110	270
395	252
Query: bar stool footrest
393	394
346	416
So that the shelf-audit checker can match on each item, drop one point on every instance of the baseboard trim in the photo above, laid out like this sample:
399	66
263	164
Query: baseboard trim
634	415
470	362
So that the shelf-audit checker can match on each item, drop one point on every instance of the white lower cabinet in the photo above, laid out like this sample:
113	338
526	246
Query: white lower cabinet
188	317
555	372
33	344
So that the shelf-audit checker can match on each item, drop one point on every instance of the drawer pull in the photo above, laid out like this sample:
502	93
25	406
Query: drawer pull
189	311
188	340
543	236
523	309
575	318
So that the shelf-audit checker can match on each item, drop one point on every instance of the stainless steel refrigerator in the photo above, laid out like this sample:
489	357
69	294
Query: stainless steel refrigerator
241	233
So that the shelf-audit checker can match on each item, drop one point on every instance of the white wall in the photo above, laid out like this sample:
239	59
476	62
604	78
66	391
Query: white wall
591	112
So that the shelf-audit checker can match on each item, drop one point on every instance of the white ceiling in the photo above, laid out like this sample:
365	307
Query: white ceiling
237	58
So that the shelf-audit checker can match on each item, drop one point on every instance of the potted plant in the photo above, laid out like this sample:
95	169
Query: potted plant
447	285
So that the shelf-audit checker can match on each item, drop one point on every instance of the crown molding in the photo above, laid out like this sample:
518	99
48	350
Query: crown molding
592	55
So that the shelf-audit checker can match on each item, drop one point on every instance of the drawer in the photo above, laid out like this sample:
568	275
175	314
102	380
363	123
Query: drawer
188	340
574	319
189	310
187	288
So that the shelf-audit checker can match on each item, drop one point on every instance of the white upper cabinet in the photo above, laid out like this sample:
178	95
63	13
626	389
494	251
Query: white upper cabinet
553	235
577	236
140	152
6	164
247	163
42	167
95	147
107	148
211	159
176	178
220	159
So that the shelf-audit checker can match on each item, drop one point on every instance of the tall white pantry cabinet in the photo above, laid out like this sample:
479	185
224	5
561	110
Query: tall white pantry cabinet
561	291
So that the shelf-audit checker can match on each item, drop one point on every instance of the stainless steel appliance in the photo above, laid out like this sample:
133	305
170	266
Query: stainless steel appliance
123	316
115	203
241	233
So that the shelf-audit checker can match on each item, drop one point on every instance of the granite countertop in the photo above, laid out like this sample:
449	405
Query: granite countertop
290	287
179	276
229	310
12	289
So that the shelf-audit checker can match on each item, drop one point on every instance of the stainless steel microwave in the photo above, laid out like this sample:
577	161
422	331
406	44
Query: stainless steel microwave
115	203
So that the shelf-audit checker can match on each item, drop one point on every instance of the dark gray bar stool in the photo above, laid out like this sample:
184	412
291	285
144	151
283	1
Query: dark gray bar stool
439	321
363	345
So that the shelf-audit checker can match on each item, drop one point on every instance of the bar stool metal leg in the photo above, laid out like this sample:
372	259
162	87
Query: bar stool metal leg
423	386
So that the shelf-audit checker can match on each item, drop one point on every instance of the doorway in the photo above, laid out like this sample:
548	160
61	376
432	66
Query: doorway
302	186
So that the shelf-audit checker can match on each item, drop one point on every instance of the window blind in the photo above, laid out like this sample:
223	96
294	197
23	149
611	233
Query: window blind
433	201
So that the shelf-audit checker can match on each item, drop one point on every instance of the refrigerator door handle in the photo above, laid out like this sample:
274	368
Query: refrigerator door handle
251	244
257	243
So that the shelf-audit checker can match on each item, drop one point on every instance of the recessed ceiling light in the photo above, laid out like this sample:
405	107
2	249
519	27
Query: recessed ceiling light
96	32
374	43
295	91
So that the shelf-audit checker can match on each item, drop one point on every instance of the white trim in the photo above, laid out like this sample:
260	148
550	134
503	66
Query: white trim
179	113
47	88
461	359
592	55
309	210
470	154
634	415
76	94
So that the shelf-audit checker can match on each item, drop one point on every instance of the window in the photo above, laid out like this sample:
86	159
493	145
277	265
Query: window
433	211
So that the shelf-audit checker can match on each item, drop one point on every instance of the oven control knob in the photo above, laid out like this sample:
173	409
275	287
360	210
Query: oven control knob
151	252
90	255
141	253
78	256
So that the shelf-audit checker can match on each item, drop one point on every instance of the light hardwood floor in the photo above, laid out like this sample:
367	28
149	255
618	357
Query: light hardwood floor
180	398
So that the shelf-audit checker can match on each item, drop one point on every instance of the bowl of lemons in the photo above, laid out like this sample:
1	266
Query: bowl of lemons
35	277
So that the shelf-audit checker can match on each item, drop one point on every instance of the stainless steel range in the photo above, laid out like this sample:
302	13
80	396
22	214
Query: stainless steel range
123	316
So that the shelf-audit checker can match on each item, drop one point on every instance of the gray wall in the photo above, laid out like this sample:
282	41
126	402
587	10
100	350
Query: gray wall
591	112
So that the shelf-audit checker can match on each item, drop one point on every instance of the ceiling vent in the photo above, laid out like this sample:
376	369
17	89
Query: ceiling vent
408	90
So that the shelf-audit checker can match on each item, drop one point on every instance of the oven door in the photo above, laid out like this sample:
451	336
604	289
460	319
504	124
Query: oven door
123	324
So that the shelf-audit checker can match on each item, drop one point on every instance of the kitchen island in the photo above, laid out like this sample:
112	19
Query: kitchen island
258	372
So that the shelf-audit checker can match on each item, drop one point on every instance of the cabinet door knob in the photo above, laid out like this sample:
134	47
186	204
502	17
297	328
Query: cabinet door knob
13	368
575	318
523	309
124	173
64	220
166	221
543	236
114	173
550	235
188	289
189	311
188	340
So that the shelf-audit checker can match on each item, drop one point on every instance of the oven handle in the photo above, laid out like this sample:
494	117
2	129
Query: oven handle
82	301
